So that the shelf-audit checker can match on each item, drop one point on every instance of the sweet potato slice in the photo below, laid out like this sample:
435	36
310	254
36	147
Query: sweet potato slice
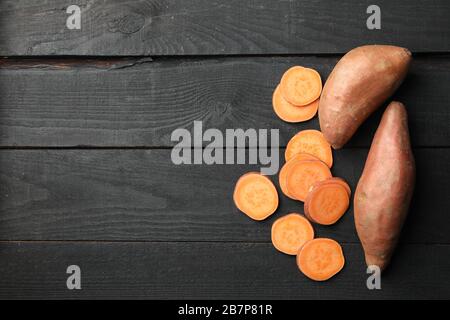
333	180
385	188
327	203
301	86
304	174
256	196
312	142
290	113
282	176
320	259
291	232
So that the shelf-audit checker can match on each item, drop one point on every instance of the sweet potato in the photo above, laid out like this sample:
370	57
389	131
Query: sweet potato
290	113
385	188
303	175
282	176
320	259
312	142
291	232
301	86
256	196
327	202
361	81
332	181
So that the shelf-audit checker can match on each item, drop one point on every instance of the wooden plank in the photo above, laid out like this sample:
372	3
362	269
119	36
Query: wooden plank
127	102
141	195
209	271
200	27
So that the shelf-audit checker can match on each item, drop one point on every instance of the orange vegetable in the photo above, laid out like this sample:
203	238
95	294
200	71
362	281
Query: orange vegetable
291	232
312	142
303	175
320	259
301	86
290	113
386	186
358	85
285	169
256	196
340	181
327	202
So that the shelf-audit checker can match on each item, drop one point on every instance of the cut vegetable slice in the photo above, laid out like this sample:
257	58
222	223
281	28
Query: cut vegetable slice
300	86
290	113
291	232
285	169
327	203
256	196
320	259
304	174
333	180
312	142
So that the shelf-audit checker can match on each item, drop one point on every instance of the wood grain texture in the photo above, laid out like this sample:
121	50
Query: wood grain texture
209	271
122	195
200	27
138	102
85	171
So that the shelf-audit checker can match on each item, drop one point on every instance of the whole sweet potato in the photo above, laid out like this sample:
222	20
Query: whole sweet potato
385	188
360	82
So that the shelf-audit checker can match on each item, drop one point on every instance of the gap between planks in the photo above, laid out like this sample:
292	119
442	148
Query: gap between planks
62	148
189	241
121	62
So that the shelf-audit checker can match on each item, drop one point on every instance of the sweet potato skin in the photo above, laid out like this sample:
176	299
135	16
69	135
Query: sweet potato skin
360	82
385	188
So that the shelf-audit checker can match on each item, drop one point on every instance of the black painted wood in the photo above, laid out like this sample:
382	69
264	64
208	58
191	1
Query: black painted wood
139	102
209	271
200	27
141	227
140	195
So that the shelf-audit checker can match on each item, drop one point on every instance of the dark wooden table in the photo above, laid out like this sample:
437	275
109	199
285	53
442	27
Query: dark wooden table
85	122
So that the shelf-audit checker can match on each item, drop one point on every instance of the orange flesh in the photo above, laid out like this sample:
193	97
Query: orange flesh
256	196
320	259
303	175
290	113
334	180
312	142
282	176
291	232
301	86
327	203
